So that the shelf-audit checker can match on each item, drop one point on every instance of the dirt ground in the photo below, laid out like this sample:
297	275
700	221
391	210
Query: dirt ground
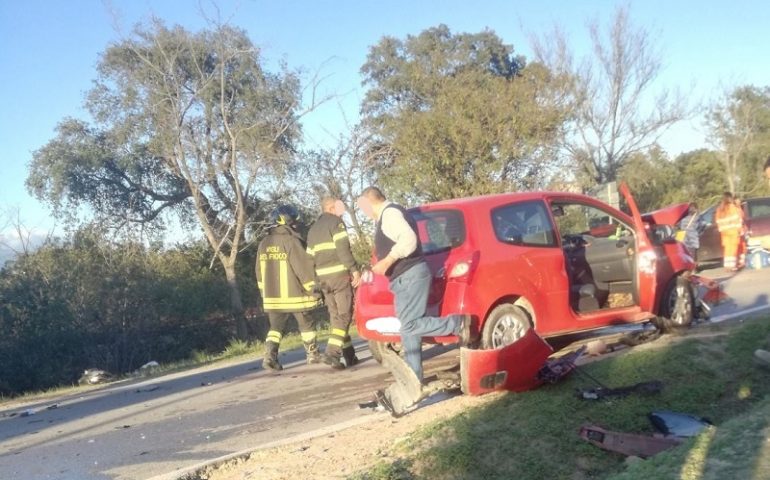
356	448
342	453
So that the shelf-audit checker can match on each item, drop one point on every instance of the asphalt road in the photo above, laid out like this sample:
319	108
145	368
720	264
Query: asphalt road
142	429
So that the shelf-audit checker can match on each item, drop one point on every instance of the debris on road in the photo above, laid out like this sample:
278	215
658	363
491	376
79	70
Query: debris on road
599	393
151	388
93	376
678	424
675	427
630	444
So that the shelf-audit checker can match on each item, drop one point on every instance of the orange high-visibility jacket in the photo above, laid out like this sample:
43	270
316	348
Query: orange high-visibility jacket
729	220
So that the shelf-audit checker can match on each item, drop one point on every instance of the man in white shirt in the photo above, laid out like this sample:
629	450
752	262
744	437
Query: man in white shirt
400	258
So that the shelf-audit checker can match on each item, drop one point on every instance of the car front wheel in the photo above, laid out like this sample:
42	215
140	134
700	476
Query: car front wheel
678	305
506	324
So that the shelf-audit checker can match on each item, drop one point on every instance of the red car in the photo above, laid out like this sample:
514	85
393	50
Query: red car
558	262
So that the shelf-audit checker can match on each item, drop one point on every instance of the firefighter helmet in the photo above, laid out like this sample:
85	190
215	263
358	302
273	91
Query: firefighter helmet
284	215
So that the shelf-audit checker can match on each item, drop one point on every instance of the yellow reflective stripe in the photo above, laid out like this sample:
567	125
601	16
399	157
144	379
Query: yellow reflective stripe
262	270
307	336
289	307
274	336
260	285
309	285
310	252
335	341
283	275
322	247
289	300
339	332
339	236
329	270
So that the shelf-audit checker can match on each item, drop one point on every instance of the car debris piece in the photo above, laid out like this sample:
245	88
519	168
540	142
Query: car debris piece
644	388
399	397
93	376
762	357
678	424
629	444
513	367
557	368
714	293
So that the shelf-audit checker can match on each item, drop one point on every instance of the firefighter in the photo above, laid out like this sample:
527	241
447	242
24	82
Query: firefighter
729	223
286	281
337	274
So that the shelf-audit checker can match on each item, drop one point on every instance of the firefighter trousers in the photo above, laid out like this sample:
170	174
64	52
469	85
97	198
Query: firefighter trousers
338	297
278	322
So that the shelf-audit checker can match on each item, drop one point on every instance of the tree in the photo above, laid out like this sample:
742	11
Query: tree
616	114
184	122
342	171
458	115
739	124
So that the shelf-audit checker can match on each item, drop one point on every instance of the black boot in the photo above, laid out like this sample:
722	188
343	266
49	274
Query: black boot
349	354
270	361
333	361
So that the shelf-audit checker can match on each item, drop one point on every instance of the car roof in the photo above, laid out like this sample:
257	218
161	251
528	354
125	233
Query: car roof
499	198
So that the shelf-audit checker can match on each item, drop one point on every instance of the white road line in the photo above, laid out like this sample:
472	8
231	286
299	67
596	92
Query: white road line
729	316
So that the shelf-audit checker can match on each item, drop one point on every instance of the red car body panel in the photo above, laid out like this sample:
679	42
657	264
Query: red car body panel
503	272
668	215
513	367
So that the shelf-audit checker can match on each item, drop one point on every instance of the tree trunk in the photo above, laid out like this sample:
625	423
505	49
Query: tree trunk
236	304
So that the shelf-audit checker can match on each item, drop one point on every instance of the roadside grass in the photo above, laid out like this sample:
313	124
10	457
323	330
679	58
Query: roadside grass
534	435
236	350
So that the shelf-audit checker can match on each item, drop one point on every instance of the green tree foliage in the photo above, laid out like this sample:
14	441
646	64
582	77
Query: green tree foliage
656	181
184	121
87	302
739	124
458	114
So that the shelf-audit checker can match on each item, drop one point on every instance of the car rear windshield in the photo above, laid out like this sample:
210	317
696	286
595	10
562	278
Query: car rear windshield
439	230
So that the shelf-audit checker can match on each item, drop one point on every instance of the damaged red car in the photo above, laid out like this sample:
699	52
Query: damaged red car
554	262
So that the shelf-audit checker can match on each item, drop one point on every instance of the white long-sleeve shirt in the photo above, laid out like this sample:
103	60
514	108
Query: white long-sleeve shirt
396	228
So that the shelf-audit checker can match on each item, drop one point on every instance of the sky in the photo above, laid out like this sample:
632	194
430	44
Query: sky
49	50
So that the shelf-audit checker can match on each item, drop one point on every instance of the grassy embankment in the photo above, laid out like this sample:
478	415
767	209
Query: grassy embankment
534	435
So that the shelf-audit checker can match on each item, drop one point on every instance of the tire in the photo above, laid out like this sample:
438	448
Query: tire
504	325
677	307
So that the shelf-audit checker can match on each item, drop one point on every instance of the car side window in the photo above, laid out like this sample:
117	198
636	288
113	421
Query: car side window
707	217
759	207
525	223
577	220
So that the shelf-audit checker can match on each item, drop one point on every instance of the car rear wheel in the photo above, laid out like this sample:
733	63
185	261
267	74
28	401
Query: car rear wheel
678	305
505	324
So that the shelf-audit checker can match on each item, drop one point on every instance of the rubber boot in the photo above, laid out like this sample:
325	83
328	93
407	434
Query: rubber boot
349	354
270	361
311	353
333	361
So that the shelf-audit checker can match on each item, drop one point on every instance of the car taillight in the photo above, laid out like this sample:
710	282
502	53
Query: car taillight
463	269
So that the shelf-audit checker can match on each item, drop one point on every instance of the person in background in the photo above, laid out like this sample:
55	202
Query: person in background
692	227
338	275
742	238
729	223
